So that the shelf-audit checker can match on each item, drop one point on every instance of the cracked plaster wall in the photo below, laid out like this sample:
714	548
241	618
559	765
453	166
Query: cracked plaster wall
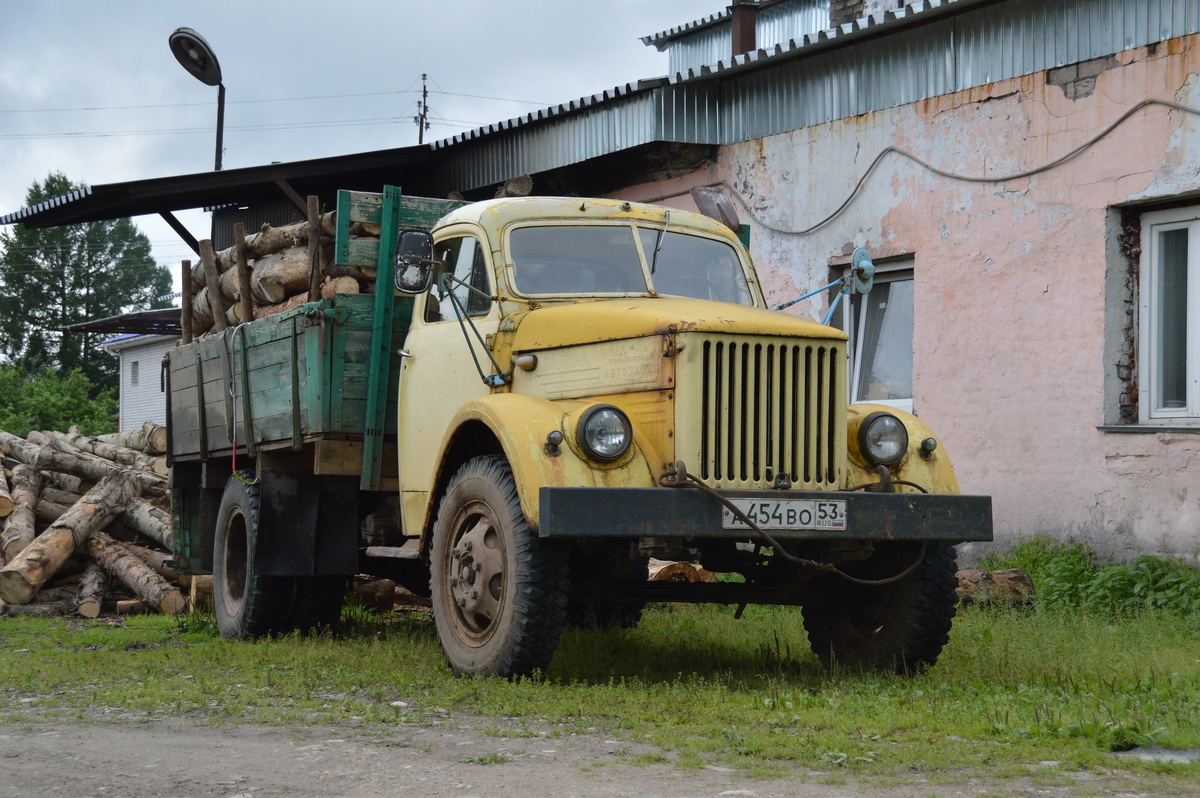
1014	280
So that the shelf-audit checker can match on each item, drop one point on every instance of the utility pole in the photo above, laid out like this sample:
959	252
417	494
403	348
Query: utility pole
422	117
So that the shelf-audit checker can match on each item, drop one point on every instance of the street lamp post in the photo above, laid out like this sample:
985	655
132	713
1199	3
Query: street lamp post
194	54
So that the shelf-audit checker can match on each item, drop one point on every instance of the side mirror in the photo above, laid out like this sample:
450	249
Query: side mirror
414	263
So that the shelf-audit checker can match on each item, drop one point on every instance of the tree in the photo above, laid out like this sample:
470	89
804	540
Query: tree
55	277
49	400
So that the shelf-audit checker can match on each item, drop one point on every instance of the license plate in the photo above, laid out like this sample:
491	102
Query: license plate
787	514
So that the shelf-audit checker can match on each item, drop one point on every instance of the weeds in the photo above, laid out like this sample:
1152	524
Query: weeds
1060	682
1068	575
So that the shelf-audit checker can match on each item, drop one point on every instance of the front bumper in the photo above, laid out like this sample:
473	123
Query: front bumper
687	513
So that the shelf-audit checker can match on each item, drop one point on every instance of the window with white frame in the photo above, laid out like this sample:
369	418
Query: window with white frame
133	373
880	326
1169	313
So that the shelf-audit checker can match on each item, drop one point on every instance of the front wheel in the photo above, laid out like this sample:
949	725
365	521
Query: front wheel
899	627
499	593
245	604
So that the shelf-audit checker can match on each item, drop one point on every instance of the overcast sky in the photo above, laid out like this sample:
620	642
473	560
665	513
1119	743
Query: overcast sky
90	89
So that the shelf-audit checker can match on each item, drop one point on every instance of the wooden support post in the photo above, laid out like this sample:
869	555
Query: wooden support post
185	302
243	271
216	302
314	248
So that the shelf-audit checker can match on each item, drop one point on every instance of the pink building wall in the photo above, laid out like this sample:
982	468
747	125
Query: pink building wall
1021	286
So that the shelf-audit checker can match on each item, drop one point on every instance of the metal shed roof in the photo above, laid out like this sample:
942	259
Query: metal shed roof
403	166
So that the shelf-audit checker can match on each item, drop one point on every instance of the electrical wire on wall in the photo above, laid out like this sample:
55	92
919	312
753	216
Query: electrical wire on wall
938	171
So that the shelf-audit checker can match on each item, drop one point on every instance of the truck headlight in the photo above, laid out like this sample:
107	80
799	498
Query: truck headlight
883	439
604	433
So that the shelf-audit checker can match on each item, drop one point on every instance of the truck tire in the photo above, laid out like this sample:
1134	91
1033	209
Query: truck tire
318	603
900	627
499	593
245	604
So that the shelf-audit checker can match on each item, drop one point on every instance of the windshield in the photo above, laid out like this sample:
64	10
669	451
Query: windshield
604	259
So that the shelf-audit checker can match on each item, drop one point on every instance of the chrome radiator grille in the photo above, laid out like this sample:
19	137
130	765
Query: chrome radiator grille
751	408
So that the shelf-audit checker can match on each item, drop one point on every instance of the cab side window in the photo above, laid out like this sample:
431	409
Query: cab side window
463	257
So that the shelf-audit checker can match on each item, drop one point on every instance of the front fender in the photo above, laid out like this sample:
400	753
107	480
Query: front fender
934	473
521	424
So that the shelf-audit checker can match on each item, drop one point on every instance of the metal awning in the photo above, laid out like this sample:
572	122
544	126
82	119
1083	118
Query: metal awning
164	321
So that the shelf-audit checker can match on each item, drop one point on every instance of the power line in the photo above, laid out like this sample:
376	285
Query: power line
193	130
267	100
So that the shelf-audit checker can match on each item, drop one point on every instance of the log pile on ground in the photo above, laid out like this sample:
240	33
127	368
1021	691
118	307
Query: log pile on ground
85	528
269	272
1011	586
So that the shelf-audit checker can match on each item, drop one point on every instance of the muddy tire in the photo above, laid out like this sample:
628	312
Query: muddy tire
245	604
499	593
900	627
318	603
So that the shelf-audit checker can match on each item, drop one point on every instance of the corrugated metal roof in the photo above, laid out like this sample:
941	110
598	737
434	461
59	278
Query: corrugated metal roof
710	40
923	50
53	202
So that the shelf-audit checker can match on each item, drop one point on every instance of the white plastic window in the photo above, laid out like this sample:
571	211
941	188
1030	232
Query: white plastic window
880	326
1169	291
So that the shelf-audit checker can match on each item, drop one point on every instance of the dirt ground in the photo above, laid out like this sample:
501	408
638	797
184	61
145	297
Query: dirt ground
454	759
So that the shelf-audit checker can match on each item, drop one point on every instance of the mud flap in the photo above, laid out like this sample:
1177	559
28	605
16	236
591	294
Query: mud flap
308	525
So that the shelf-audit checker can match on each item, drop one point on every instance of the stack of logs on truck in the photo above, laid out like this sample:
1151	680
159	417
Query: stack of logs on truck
269	272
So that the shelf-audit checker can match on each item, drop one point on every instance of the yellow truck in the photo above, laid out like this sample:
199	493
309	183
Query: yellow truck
557	391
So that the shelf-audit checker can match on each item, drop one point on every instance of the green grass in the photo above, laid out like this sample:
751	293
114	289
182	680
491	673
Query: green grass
1013	688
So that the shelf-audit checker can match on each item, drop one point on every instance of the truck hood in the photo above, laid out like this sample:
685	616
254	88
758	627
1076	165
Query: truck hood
616	319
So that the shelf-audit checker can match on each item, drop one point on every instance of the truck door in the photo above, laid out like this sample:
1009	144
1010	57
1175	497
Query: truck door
441	375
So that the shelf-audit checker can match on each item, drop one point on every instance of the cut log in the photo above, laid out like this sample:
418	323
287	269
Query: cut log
1011	586
270	310
375	594
48	512
131	607
150	438
92	589
161	562
151	521
118	454
61	607
6	502
344	270
64	497
57	593
278	276
19	531
679	572
267	241
148	586
200	593
67	482
339	285
25	574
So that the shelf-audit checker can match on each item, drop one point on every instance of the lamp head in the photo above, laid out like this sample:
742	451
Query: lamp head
194	54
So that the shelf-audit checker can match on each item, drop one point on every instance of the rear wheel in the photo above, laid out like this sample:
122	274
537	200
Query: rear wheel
245	604
318	603
899	627
499	593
